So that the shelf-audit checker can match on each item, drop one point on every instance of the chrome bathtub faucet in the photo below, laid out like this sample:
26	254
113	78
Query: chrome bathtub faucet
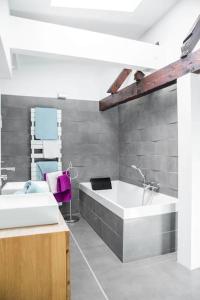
140	171
152	186
147	185
3	177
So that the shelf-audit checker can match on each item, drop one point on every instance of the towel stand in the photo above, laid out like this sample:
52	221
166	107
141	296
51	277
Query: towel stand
71	218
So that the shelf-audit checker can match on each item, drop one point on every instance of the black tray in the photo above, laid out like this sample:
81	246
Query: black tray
101	183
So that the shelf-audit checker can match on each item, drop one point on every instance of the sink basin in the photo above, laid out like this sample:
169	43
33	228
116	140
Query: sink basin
28	210
13	187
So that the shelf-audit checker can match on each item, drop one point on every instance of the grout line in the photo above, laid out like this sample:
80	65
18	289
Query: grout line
90	268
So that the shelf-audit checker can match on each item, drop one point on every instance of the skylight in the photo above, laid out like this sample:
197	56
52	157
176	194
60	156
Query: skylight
114	5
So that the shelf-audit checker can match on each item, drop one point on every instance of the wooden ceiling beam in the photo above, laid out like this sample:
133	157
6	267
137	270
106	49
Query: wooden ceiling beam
119	81
153	82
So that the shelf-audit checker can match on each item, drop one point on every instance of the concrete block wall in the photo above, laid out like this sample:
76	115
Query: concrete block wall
90	138
148	138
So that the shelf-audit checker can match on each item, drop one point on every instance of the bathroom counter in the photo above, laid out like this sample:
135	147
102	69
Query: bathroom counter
35	262
32	230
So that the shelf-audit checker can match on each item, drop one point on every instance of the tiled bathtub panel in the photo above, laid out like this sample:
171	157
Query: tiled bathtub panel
150	225
108	217
86	202
149	236
113	240
146	246
94	221
106	224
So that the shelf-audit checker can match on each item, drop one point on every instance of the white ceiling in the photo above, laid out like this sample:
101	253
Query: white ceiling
131	25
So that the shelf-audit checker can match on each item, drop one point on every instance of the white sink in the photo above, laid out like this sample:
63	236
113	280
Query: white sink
13	187
28	210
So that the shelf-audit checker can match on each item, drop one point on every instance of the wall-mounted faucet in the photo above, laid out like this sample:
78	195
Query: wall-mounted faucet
140	171
147	185
4	177
8	169
152	186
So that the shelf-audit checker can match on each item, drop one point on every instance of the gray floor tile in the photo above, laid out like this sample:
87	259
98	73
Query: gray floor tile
155	278
85	235
83	284
102	259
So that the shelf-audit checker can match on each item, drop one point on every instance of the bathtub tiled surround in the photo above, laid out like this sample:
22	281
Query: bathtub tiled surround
130	238
149	236
148	137
106	224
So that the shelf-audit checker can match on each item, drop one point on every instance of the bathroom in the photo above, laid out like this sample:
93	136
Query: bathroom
132	238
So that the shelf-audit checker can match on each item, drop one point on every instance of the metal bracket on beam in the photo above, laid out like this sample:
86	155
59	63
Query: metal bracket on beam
191	40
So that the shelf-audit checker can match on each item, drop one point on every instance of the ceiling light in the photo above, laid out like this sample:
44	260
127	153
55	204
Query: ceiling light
114	5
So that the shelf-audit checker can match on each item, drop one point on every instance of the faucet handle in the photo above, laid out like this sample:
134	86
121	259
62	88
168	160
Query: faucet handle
155	186
4	177
152	186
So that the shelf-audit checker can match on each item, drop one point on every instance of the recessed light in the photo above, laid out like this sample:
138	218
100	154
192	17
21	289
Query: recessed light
113	5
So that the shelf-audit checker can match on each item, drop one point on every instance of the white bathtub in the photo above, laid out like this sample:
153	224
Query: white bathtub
131	230
125	200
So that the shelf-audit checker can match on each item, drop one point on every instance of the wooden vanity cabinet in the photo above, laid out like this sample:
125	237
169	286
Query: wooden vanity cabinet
34	263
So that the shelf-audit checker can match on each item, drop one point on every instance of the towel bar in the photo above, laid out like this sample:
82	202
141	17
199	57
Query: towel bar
38	144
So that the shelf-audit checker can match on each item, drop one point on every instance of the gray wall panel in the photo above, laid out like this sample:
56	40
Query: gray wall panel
90	138
148	138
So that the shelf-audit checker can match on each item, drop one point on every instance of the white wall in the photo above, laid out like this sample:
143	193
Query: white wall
0	135
45	78
188	95
171	30
5	58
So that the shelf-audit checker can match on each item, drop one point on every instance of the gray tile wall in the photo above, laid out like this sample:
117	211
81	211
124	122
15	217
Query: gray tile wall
148	138
144	132
90	138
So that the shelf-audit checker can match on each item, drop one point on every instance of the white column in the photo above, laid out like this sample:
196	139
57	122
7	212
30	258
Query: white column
0	137
188	97
5	56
